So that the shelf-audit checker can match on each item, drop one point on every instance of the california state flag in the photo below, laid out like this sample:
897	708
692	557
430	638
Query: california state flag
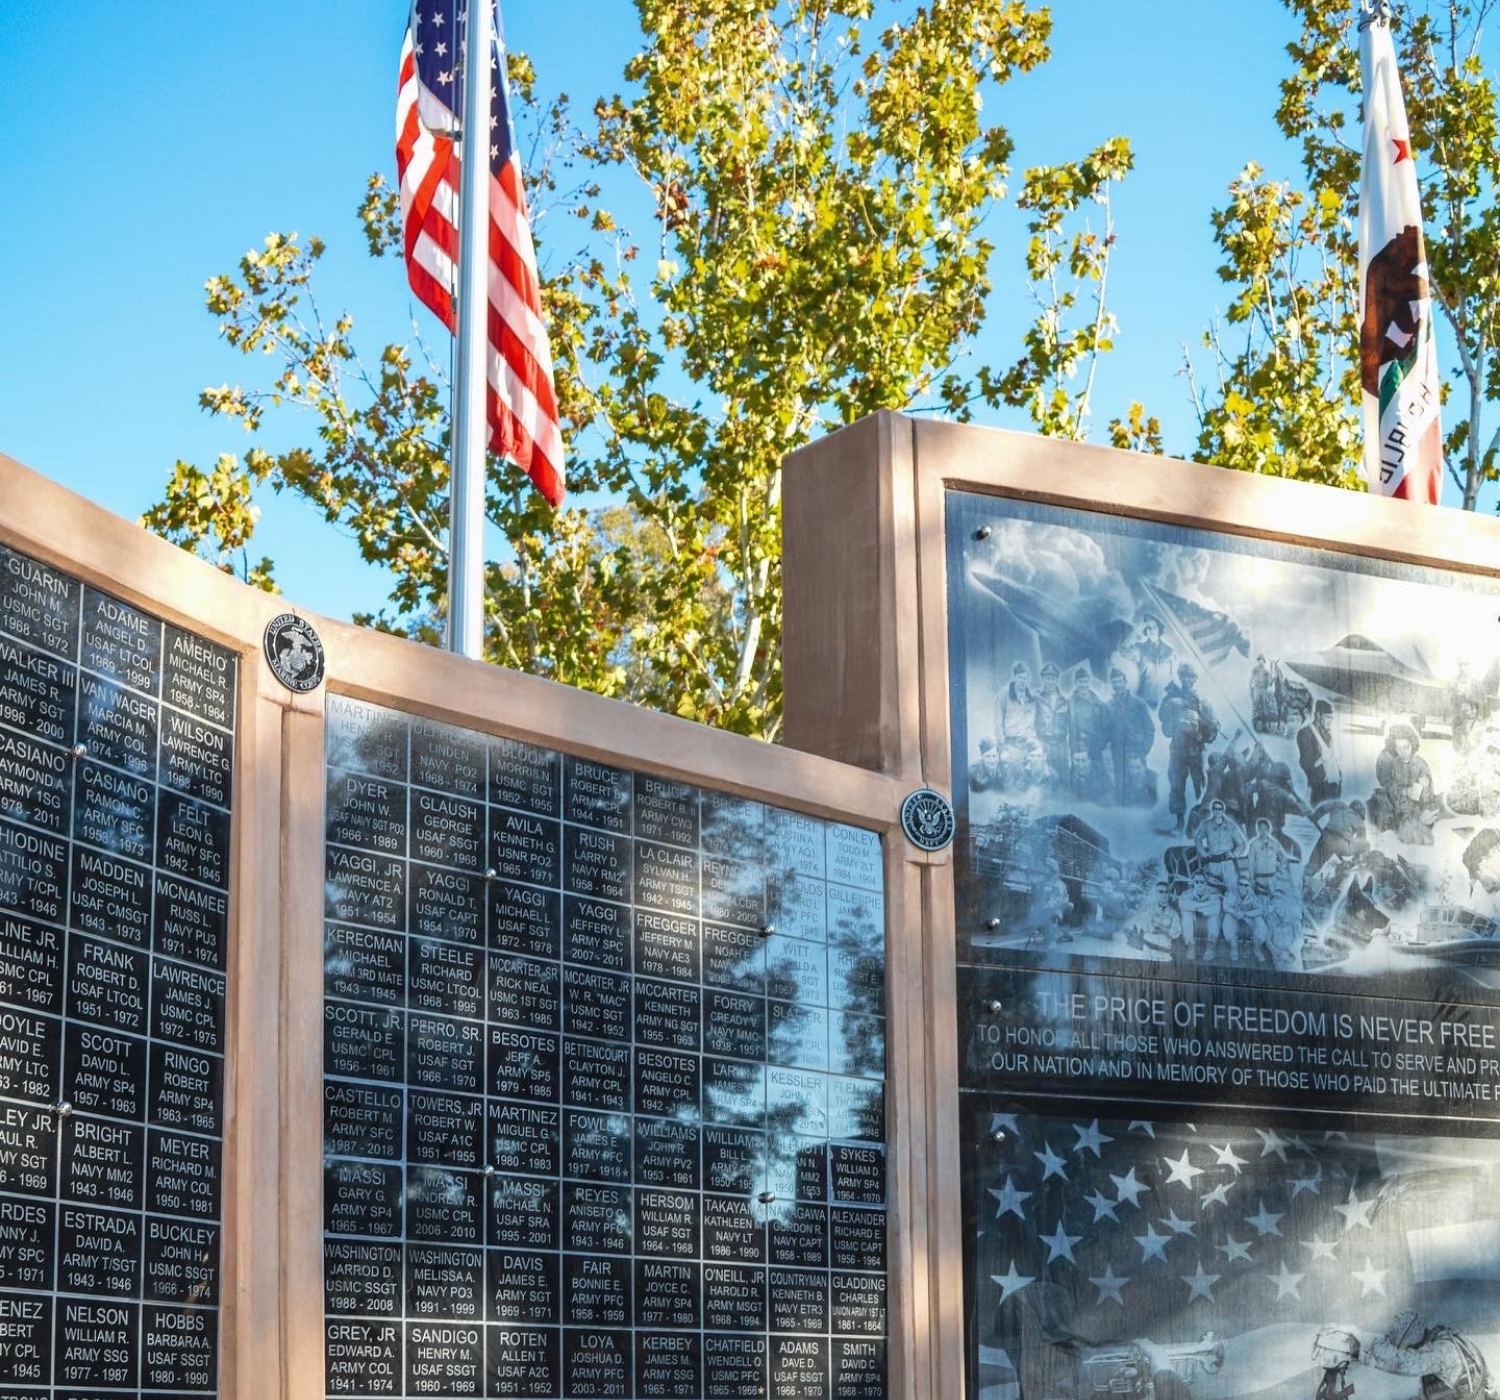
1397	356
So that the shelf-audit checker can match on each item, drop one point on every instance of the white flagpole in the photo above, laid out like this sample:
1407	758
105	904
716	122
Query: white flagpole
469	428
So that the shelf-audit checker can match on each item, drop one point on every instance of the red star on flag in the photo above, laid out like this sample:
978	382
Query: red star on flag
1403	149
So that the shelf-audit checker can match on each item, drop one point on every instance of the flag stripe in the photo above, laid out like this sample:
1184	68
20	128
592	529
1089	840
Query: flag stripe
521	401
1403	448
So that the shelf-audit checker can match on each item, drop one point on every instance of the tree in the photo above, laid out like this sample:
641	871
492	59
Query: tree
1286	403
1287	399
1068	266
820	172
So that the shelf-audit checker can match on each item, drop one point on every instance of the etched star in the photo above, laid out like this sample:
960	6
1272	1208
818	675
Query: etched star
1305	1183
1143	1125
1228	1157
1152	1244
1010	1199
1218	1196
1274	1144
1109	1286
1103	1207
1052	1164
1233	1249
1200	1284
1371	1279
1286	1283
1176	1226
1011	1282
1059	1244
1090	1138
1265	1223
1321	1249
1182	1169
1127	1185
1356	1212
1003	1123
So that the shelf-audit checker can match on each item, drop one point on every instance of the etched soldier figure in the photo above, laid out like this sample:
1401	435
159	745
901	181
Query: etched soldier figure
1053	715
1481	859
1015	725
1086	716
1404	801
1319	756
1246	923
1153	659
1049	901
1221	845
985	774
1130	732
1087	781
1464	723
1265	858
1333	1350
1015	707
1468	703
1446	1363
1341	834
1226	782
1189	723
1200	910
1163	937
1283	917
1273	797
1263	712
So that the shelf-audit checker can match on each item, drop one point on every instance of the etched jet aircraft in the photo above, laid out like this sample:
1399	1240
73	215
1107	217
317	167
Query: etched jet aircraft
1374	680
1069	630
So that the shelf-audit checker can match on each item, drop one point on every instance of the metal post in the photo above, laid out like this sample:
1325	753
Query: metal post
469	431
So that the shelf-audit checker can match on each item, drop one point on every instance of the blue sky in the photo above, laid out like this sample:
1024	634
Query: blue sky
164	138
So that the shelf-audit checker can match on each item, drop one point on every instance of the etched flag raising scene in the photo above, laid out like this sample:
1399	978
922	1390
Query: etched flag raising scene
521	404
1398	362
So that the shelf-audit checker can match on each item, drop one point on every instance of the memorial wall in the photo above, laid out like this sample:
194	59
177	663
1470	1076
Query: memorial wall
117	737
539	1047
604	1062
511	1042
1226	885
1219	929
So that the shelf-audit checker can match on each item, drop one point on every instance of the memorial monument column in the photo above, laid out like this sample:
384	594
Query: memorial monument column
1215	964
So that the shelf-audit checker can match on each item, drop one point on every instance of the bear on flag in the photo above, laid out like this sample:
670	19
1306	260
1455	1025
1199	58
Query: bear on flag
1398	365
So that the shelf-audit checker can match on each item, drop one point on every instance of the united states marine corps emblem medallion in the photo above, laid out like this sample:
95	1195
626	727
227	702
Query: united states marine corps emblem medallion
927	819
294	653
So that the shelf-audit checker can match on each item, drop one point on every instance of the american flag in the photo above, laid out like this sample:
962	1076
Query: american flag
1215	634
521	403
1091	1234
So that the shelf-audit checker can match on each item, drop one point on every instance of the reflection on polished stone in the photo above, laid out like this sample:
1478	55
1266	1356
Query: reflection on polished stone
603	1052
